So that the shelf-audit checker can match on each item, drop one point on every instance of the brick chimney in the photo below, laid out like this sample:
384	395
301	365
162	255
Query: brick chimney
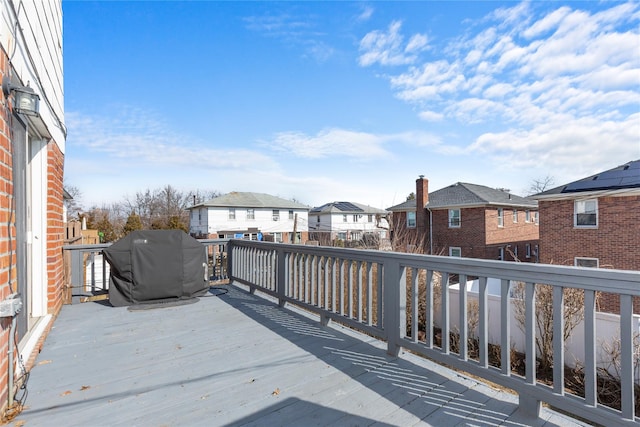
422	197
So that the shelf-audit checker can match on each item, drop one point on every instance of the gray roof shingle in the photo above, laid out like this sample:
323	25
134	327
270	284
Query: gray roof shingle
238	199
463	194
346	208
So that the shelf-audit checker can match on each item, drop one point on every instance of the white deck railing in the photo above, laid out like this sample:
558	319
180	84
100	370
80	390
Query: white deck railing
393	296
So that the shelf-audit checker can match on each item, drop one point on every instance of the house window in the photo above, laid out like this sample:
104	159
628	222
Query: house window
342	235
356	235
344	218
251	214
527	216
232	214
455	251
290	214
454	218
355	218
318	219
277	237
500	217
501	254
586	213
587	262
527	249
370	218
411	220
536	217
515	216
276	215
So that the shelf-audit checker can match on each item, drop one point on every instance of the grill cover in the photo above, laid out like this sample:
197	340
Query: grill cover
154	266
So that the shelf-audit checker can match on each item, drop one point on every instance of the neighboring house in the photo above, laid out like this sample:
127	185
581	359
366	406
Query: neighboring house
254	216
347	221
32	140
594	222
467	220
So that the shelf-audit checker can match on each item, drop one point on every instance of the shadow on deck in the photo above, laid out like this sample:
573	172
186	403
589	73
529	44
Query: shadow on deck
238	359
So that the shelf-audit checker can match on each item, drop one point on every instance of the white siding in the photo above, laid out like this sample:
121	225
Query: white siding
35	48
217	219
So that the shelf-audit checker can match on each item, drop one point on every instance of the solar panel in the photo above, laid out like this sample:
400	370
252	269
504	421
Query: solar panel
347	207
627	176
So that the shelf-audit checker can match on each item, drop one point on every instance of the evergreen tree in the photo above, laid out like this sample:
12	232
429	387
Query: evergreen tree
133	223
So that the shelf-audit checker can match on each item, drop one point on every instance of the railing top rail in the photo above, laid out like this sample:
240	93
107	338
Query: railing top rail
610	280
95	247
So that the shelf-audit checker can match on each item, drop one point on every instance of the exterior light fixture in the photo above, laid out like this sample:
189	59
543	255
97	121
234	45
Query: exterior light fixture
26	101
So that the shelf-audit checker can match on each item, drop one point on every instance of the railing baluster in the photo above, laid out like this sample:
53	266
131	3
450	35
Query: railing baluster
429	309
350	272
380	298
505	330
414	304
626	357
369	293
530	332
483	325
558	340
444	290
341	284
462	299
359	291
590	384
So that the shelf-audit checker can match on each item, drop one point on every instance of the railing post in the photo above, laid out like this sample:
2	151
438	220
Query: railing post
281	282
395	305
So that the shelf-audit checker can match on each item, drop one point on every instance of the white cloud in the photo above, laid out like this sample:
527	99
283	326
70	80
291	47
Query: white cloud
386	48
366	14
329	143
343	143
431	116
556	146
134	136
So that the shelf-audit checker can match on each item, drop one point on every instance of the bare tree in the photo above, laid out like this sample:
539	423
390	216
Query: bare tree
73	205
540	185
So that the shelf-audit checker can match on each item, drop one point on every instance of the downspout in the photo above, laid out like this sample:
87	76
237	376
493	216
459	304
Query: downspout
430	231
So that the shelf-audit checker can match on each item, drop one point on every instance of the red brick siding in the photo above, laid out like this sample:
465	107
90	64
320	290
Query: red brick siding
479	235
614	242
55	227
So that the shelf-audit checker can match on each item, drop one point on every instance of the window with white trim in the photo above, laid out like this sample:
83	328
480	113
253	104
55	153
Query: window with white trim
251	214
455	251
276	214
454	218
411	220
232	214
291	214
515	216
344	218
527	248
527	215
355	218
500	217
585	213
586	262
370	218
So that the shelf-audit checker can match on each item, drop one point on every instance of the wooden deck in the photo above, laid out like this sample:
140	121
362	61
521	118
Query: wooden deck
238	359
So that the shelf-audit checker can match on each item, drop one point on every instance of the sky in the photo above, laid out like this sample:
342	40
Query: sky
346	101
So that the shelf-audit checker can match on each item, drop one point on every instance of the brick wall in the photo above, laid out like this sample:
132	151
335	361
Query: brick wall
614	242
55	227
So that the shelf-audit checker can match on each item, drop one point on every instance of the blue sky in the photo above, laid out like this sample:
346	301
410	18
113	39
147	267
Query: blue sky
346	101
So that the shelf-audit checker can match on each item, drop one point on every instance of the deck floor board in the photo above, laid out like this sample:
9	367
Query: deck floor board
238	359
